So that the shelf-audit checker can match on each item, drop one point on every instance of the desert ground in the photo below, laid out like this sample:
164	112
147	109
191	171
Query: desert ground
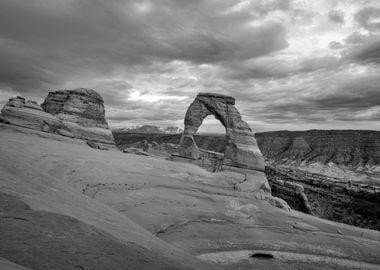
64	205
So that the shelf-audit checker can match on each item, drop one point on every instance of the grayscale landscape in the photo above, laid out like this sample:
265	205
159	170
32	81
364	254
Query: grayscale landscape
230	135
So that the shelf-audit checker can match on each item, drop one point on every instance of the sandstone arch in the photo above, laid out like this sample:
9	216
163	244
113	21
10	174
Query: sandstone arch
241	149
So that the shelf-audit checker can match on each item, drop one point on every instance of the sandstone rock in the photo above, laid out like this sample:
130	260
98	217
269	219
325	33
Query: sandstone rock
15	113
278	202
146	146
82	106
82	113
240	152
33	105
354	148
65	133
92	145
324	197
17	102
241	148
135	151
96	145
188	148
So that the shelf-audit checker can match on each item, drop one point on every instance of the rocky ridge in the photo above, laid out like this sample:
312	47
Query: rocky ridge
75	113
355	148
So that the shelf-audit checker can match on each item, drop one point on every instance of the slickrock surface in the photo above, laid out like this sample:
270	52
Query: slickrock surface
332	191
67	204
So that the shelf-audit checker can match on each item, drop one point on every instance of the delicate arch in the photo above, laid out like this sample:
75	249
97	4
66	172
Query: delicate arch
241	148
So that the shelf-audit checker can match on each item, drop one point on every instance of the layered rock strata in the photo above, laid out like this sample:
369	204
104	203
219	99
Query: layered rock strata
241	151
72	113
17	111
82	106
82	112
329	198
355	148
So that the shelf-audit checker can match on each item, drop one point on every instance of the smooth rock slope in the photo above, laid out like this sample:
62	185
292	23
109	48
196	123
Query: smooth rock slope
66	204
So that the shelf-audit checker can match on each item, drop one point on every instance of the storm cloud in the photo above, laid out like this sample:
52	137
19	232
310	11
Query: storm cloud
286	62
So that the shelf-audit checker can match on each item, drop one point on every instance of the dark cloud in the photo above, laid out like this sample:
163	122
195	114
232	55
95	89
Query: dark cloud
349	100
148	111
336	16
335	45
43	44
368	18
277	68
369	52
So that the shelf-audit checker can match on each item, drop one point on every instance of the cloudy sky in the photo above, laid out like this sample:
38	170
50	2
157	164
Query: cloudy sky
291	64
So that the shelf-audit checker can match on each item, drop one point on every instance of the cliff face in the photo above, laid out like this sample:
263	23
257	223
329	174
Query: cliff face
354	148
353	204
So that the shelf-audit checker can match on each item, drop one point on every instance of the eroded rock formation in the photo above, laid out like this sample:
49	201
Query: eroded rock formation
82	106
241	150
81	111
75	113
17	111
329	198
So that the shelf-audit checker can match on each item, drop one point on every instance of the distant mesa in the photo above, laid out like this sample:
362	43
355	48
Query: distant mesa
149	129
75	113
355	148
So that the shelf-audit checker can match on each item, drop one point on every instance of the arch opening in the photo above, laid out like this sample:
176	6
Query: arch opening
211	135
241	149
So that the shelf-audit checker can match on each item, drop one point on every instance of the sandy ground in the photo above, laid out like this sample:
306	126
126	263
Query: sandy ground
76	205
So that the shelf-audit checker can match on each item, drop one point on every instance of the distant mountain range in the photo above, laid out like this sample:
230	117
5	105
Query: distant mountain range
149	129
